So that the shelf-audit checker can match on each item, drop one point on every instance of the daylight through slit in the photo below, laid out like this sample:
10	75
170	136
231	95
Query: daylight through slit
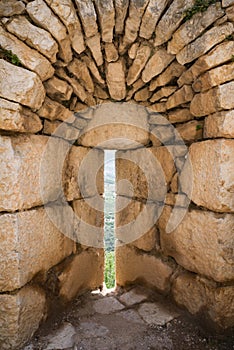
109	214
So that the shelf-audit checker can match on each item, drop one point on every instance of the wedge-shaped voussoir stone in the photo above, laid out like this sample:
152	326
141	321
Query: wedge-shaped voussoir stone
157	63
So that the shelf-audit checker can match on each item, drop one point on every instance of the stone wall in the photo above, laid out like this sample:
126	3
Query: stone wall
152	81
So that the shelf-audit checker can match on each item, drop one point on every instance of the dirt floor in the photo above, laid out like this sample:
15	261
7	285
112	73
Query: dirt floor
126	320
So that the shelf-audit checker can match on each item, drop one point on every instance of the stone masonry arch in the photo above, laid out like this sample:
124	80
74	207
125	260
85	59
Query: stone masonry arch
66	67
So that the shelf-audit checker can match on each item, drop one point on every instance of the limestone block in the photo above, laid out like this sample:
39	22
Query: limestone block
216	99
226	3
58	89
88	17
204	43
194	27
164	133
111	52
106	16
220	125
121	8
100	93
214	77
191	131
13	117
151	16
30	171
83	173
219	55
63	130
79	69
174	70
34	36
180	115
148	241
212	174
142	95
163	92
29	58
157	63
116	80
42	15
84	272
20	316
142	56
230	13
133	266
67	14
183	95
199	295
93	69
171	20
95	47
20	85
30	243
11	7
53	110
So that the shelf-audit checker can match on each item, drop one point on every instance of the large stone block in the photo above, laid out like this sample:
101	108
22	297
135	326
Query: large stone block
211	175
181	96
20	85
174	70
121	8
142	56
53	110
220	125
88	17
157	63
79	69
116	80
30	243
20	316
11	7
58	89
106	12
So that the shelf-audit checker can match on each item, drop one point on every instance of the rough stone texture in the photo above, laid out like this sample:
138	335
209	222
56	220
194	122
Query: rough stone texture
132	266
133	297
226	3
121	8
157	314
198	294
55	111
157	63
171	20
142	95
107	305
219	125
151	17
183	95
33	36
173	71
11	7
187	243
93	69
29	58
79	69
83	177
62	130
30	243
192	28
163	92
95	47
67	14
88	17
84	272
62	338
180	115
58	89
20	85
116	80
142	56
13	117
216	99
191	131
219	55
106	14
42	15
230	13
214	77
20	316
148	241
111	52
22	183
204	43
212	165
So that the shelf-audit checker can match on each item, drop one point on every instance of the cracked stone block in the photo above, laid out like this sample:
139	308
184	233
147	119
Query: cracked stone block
157	314
107	306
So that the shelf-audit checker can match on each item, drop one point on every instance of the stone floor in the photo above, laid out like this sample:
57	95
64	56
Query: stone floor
126	320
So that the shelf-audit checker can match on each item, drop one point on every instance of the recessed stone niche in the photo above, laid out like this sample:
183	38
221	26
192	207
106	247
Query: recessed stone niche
153	84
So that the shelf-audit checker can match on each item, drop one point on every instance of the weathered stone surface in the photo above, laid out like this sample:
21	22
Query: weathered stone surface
20	316
226	3
11	8
121	8
157	63
132	266
21	161
192	28
204	43
53	110
34	36
14	117
219	55
183	95
24	247
58	89
132	51
29	58
20	85
88	17
220	124
107	305
157	313
100	93
62	338
142	56
133	297
93	69
214	77
212	165
173	71
106	15
171	20
180	115
230	13
67	14
42	15
191	131
111	52
63	130
163	92
84	272
95	47
116	80
151	17
142	95
198	294
147	242
216	99
79	69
